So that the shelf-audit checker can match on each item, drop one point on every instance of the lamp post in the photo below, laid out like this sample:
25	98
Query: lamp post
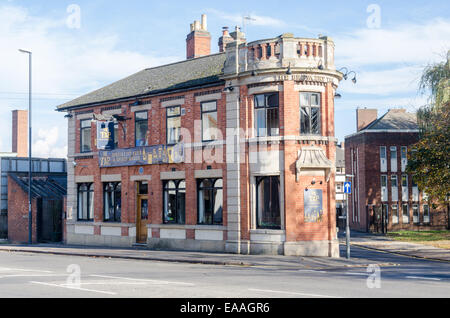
30	215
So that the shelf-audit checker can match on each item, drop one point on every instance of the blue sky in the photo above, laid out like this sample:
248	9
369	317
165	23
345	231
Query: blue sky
117	38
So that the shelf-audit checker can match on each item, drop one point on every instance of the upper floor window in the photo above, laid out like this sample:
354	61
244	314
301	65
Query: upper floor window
116	135
173	125
85	135
112	202
141	129
85	202
209	121
210	202
393	159
310	113
267	121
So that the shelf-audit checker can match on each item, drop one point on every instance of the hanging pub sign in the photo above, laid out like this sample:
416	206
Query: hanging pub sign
140	156
313	206
105	135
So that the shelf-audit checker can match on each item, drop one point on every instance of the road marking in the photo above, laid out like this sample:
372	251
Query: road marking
74	288
144	280
108	283
423	278
311	271
290	293
5	269
33	275
357	274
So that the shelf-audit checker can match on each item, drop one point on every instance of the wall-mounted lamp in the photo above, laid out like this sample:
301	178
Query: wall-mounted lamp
289	71
68	116
320	67
347	73
337	96
230	88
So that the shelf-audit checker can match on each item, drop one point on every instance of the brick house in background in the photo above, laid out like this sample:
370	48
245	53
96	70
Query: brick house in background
263	111
384	197
16	163
48	192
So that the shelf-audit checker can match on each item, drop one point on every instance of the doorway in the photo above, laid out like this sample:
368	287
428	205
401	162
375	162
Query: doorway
49	220
142	213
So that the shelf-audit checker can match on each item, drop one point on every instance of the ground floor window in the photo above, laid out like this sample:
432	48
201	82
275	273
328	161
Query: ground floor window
405	214
112	201
174	202
415	213
395	214
85	202
426	213
210	202
268	214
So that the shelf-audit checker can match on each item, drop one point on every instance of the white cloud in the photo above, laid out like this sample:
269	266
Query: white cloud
256	20
407	43
46	144
65	60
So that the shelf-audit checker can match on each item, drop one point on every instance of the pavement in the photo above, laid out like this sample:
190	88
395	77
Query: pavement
369	241
384	244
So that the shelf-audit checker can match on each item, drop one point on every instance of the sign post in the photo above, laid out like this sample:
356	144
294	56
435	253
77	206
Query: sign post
348	190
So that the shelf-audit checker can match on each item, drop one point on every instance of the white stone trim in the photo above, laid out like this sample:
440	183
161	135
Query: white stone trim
111	178
176	234
135	109
203	174
265	89
112	112
85	116
84	229
171	103
208	98
111	231
208	235
173	175
309	88
84	179
141	178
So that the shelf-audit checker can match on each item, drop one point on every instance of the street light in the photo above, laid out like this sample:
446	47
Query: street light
30	215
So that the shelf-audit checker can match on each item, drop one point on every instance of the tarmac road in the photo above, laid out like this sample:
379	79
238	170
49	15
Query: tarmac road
27	275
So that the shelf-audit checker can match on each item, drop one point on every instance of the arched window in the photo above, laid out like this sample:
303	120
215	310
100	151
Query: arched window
112	202
174	202
210	202
268	214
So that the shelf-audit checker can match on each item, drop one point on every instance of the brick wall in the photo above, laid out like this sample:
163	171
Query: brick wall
18	214
367	145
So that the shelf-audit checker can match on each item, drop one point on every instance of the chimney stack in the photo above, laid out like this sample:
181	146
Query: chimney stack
20	133
198	42
224	39
364	117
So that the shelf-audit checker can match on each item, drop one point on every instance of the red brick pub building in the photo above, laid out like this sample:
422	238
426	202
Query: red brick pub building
229	152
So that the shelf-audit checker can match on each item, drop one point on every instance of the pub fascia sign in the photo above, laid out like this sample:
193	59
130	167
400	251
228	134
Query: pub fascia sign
140	156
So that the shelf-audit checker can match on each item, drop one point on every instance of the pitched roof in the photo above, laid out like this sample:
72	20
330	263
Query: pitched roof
48	187
395	119
181	75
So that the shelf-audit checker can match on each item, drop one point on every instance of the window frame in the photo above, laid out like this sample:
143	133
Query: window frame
167	124
89	197
177	203
266	107
136	121
310	107
116	194
202	112
89	127
259	180
212	188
